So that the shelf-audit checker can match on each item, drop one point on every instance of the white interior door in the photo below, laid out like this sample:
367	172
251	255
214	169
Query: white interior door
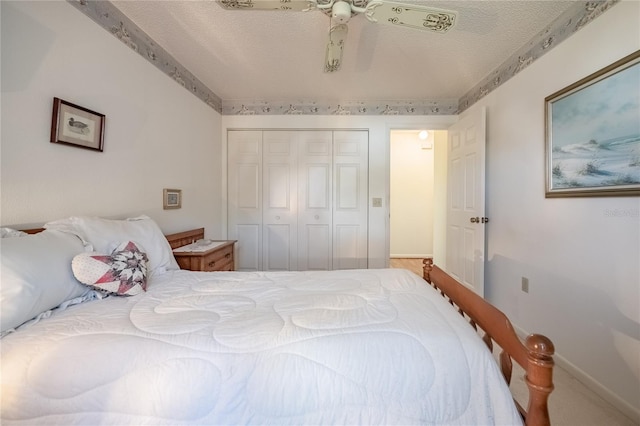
466	200
244	192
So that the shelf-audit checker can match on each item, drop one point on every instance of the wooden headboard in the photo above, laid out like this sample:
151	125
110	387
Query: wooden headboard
180	239
32	230
176	240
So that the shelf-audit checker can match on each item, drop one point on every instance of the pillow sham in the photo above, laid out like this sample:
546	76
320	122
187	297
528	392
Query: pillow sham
104	235
36	275
123	272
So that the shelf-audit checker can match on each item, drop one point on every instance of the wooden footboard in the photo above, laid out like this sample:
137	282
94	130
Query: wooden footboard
535	355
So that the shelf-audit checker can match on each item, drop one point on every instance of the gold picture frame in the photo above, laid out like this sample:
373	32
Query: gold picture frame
171	199
592	134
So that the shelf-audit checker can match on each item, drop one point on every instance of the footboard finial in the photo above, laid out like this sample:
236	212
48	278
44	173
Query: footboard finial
539	378
426	269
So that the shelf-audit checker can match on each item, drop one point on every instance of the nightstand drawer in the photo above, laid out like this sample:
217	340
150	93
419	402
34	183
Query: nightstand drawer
219	258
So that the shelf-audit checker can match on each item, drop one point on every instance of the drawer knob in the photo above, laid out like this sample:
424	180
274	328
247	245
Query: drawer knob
228	255
213	262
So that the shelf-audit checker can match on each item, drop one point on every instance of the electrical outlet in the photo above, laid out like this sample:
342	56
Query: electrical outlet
376	202
525	284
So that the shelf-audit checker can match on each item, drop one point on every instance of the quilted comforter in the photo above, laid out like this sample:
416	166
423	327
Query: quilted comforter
337	347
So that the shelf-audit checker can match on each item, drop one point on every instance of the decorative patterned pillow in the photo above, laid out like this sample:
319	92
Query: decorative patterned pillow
124	272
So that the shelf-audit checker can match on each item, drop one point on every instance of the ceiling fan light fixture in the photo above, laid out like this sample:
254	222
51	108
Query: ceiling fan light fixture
341	12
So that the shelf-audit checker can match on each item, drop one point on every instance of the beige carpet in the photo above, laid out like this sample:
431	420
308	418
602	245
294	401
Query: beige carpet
571	403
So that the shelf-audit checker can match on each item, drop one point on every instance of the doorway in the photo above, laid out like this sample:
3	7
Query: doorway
417	206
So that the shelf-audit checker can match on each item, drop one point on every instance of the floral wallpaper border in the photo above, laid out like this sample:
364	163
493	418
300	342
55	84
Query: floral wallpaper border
574	19
389	107
110	18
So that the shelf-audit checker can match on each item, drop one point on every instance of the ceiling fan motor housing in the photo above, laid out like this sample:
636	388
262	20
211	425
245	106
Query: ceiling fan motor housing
341	12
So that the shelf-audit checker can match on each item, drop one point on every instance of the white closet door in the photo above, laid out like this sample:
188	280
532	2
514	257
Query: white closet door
244	192
350	194
279	214
315	200
297	200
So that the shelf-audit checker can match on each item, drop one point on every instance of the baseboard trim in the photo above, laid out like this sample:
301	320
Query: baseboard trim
591	383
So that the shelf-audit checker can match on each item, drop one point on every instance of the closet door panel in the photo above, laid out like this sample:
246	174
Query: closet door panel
249	241
315	205
248	179
277	239
279	206
350	212
317	256
347	247
244	194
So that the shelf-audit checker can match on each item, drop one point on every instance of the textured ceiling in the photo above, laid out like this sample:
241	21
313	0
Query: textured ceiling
269	55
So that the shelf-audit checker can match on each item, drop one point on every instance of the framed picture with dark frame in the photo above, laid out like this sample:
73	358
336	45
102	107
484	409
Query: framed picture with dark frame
592	141
172	199
77	126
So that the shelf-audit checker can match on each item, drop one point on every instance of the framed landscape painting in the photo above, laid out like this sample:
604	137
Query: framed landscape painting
593	134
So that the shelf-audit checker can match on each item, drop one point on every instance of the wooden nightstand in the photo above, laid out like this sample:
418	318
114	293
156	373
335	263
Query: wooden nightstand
218	258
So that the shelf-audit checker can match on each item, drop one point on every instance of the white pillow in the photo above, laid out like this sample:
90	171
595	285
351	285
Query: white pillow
36	275
104	235
10	232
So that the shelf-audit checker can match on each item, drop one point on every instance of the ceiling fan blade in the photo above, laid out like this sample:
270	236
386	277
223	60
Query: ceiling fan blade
293	5
410	15
335	47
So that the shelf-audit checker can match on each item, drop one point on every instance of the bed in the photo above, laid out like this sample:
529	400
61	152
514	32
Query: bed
376	346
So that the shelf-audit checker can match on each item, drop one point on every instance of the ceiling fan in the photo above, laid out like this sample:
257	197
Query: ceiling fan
408	15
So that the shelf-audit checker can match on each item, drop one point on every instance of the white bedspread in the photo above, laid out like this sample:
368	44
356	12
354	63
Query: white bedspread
339	347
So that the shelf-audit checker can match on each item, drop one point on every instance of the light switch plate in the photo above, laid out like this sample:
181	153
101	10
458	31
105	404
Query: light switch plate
376	202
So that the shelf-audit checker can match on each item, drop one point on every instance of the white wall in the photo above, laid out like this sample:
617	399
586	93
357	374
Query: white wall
379	129
582	261
157	135
411	195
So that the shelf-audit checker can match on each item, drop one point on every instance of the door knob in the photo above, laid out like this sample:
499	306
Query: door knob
479	220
